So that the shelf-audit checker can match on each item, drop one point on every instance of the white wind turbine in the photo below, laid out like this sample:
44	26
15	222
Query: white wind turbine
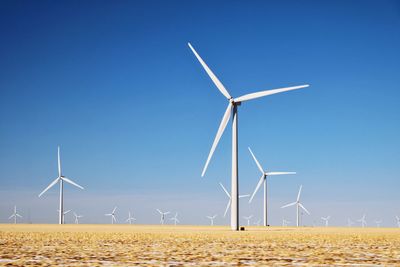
15	215
112	215
247	218
175	219
378	223
212	219
398	221
298	205
263	179
162	214
130	218
326	219
285	222
77	218
63	215
233	104
349	222
229	198
60	179
362	221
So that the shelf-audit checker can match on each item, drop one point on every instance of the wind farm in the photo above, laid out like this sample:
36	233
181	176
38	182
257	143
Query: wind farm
154	165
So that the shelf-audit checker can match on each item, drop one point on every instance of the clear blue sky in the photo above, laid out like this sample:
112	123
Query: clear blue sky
116	86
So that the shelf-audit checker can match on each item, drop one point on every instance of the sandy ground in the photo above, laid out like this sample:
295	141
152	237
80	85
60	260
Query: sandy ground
144	245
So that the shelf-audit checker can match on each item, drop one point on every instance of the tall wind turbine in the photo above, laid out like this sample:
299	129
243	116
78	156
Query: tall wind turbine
77	218
162	214
263	179
229	198
247	218
60	179
112	215
15	215
326	219
233	104
130	218
298	206
175	218
362	221
212	219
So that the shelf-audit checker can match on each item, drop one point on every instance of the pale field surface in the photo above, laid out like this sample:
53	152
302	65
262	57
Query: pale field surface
144	245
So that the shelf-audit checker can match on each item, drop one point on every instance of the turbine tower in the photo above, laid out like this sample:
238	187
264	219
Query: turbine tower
263	179
326	219
162	214
248	219
229	198
15	215
112	215
212	219
231	111
130	218
362	221
298	206
60	179
175	218
77	218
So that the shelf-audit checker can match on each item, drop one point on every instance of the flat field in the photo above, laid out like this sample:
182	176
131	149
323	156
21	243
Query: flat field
144	245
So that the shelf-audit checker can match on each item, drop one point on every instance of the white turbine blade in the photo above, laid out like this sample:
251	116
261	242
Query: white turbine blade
258	164
267	92
226	191
115	219
288	205
159	211
71	182
59	161
304	208
214	78
279	173
220	131
65	212
108	214
168	212
18	215
11	216
75	214
50	185
227	207
115	208
298	195
262	178
243	196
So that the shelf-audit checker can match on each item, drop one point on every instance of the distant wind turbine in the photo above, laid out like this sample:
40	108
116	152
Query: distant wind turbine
233	104
15	215
229	198
257	223
398	221
326	219
130	218
263	179
378	223
212	219
298	205
175	218
60	179
77	218
162	214
285	222
349	222
362	221
247	218
112	215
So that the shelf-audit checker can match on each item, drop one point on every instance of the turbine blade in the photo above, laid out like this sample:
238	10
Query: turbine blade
226	192
258	164
50	185
214	78
18	215
220	131
159	211
168	212
59	161
280	173
115	208
304	209
243	196
262	179
71	182
288	205
11	216
267	92
227	207
298	195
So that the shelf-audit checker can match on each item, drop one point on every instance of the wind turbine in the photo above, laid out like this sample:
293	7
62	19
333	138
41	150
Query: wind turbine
130	218
248	219
298	205
285	222
212	219
229	198
77	218
326	219
378	223
263	179
60	179
398	221
257	223
112	215
349	222
15	215
63	215
233	104
362	221
162	215
175	218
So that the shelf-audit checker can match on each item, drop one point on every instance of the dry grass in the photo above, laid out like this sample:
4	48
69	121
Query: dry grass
139	245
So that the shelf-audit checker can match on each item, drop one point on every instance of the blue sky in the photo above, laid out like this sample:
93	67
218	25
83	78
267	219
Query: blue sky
116	86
